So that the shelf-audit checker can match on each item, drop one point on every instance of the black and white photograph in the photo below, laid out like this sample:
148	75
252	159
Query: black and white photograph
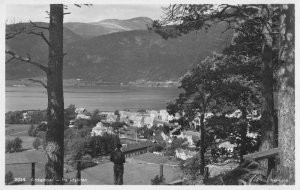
140	93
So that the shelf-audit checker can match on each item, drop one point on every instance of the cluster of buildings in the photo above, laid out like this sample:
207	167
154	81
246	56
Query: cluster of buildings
149	118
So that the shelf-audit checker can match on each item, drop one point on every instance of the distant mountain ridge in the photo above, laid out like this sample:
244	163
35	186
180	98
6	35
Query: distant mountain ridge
121	56
108	26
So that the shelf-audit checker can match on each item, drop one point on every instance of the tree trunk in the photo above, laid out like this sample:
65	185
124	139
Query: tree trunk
243	138
202	145
286	119
243	131
55	111
267	119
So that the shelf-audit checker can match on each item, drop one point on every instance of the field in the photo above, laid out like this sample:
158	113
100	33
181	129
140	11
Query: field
16	129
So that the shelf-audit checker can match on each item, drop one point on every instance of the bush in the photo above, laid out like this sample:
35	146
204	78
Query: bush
192	166
9	177
36	143
13	117
96	117
17	144
8	146
157	180
176	144
13	145
157	147
87	162
83	123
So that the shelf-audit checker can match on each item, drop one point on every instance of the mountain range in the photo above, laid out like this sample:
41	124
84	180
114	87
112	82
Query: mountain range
119	51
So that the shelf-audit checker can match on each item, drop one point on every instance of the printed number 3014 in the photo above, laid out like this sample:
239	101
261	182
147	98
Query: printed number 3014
19	179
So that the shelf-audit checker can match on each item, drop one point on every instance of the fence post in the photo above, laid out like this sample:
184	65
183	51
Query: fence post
161	171
79	172
205	175
32	173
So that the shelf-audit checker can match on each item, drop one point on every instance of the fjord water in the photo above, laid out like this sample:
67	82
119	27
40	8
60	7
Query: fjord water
104	98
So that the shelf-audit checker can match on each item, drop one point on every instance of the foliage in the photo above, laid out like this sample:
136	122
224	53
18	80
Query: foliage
9	177
192	166
36	143
75	148
37	116
13	117
96	117
34	130
8	145
33	117
87	162
42	137
158	180
117	112
117	125
177	143
83	123
145	131
142	110
13	145
69	114
78	142
157	147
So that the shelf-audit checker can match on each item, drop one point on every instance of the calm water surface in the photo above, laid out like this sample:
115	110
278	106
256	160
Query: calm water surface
107	98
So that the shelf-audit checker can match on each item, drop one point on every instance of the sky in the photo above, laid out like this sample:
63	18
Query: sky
36	12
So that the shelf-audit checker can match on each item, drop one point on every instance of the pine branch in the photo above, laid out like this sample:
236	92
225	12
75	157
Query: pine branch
39	81
28	60
37	26
9	60
43	37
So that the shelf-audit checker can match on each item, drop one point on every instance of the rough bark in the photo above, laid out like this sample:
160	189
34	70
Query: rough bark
268	120
55	111
202	146
286	115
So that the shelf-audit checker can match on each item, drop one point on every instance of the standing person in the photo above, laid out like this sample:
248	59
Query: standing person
118	158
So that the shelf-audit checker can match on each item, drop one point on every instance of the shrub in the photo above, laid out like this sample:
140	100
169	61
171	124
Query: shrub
13	145
8	146
36	143
87	162
176	144
83	123
192	166
157	180
17	144
96	117
9	177
157	147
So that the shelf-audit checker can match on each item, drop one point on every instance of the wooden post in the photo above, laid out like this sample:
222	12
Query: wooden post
32	173
161	171
205	175
79	172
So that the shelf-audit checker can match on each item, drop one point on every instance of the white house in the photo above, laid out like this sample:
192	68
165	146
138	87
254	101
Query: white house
100	129
81	113
189	135
184	154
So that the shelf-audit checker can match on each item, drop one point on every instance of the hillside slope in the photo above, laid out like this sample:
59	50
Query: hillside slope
123	56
